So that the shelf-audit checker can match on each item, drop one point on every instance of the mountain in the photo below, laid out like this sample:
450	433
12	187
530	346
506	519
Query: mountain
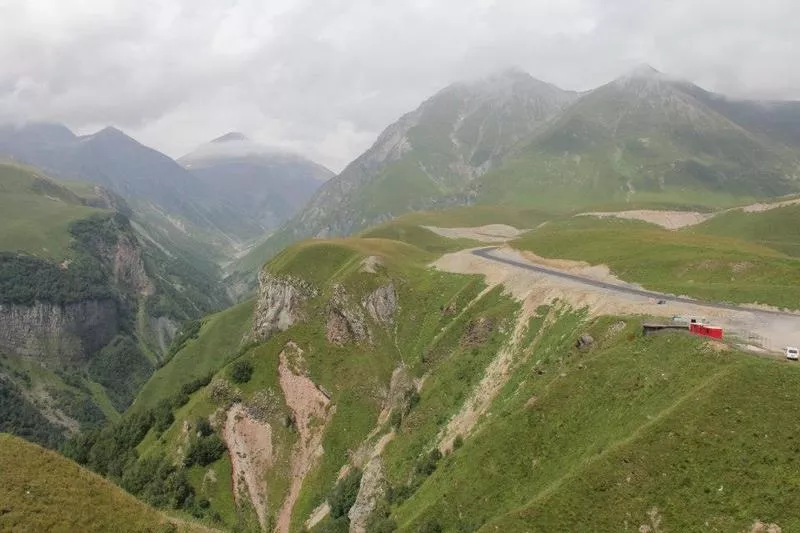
643	137
89	304
265	184
778	120
43	491
425	159
146	178
364	390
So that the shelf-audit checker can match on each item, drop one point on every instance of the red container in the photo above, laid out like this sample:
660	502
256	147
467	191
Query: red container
713	332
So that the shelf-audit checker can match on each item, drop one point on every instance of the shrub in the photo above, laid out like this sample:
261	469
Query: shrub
241	371
427	466
343	496
205	450
396	418
458	442
203	426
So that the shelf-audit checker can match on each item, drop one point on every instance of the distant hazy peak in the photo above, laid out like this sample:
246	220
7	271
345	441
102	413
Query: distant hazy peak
231	136
41	131
503	80
109	132
644	70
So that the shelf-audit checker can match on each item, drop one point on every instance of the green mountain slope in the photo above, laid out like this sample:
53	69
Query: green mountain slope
88	305
774	228
352	377
424	160
266	184
42	491
693	261
642	137
35	213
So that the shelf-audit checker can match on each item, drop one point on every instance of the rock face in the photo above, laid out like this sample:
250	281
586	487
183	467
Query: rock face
129	271
72	331
280	303
381	304
370	492
346	321
585	341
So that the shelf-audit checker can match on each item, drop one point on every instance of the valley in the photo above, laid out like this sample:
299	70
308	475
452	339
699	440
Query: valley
447	335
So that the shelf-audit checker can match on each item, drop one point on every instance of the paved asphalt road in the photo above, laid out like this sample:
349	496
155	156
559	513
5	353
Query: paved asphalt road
486	253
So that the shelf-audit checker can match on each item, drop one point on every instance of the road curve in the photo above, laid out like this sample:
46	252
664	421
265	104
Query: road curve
486	253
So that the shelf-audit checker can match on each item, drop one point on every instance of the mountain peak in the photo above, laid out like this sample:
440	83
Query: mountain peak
109	132
231	136
644	70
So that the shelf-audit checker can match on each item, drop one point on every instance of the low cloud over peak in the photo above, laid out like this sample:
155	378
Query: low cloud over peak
324	77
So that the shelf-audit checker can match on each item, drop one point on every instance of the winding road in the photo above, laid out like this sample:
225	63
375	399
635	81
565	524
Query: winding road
486	253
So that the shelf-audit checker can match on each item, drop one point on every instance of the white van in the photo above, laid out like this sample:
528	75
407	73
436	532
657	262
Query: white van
792	353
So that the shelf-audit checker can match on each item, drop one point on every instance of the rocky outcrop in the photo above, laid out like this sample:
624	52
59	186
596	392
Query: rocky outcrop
164	331
129	271
280	303
370	492
73	331
346	321
381	304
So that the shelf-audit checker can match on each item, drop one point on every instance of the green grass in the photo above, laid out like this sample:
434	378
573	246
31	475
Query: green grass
776	228
602	437
43	491
418	236
478	215
684	262
219	341
35	213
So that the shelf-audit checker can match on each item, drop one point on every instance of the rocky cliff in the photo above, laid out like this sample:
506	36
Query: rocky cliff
280	303
46	330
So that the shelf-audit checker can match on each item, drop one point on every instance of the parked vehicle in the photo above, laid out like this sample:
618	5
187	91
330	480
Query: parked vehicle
792	353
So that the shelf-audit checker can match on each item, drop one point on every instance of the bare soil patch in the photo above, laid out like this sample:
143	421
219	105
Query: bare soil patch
760	207
671	220
249	444
312	411
492	233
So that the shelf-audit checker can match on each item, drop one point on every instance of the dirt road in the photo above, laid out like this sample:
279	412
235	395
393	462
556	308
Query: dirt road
752	327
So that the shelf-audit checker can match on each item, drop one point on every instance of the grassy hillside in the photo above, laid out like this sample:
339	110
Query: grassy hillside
642	137
776	228
685	262
36	213
627	432
71	369
199	354
42	491
631	432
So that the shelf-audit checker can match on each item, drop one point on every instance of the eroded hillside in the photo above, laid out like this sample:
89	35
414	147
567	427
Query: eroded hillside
364	390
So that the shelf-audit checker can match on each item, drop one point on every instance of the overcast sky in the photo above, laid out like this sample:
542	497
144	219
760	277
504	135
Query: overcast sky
324	77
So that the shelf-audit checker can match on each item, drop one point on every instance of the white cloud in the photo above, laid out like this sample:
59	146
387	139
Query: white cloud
325	76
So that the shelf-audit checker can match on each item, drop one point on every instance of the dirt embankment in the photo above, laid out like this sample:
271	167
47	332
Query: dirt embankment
758	208
770	331
491	233
495	376
671	220
674	220
249	444
312	411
